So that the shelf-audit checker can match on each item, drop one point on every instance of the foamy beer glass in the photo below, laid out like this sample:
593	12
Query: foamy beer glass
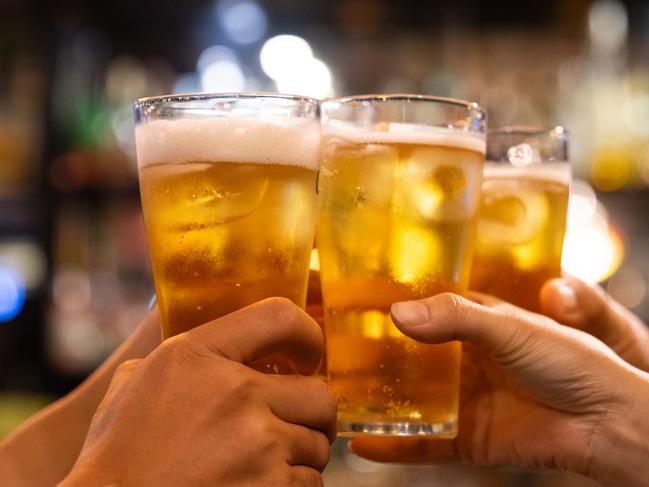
228	187
523	213
400	188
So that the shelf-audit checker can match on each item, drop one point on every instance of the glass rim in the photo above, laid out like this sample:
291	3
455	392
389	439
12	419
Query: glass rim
382	97
529	130
202	96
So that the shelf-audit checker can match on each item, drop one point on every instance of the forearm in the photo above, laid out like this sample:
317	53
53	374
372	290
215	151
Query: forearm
622	455
43	450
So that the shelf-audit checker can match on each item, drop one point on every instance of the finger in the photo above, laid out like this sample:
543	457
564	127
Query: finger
306	446
301	476
405	450
491	301
273	326
505	331
305	401
446	317
585	307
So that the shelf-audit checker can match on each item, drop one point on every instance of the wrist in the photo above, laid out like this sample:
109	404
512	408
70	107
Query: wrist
620	451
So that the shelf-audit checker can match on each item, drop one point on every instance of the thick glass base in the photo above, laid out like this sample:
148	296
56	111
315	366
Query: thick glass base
438	430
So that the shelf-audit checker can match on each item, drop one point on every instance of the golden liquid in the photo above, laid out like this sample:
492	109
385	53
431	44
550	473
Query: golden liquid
397	223
224	235
520	237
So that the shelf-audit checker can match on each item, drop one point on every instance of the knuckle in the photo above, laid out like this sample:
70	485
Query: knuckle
281	307
238	381
264	434
179	349
451	305
306	477
169	348
322	450
127	366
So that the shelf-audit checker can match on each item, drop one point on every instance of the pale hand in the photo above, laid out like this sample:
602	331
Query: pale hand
535	394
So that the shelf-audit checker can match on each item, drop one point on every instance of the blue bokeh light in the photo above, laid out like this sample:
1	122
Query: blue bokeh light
12	294
244	21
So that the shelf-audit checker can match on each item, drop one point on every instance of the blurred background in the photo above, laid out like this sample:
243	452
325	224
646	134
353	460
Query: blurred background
74	269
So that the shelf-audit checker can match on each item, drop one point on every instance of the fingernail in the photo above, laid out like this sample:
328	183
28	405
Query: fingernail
568	297
410	312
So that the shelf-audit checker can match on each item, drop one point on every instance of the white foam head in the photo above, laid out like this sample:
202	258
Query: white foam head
228	140
406	133
559	172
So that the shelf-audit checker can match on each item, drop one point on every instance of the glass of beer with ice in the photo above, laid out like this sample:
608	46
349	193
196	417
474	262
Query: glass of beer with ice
399	193
228	189
523	213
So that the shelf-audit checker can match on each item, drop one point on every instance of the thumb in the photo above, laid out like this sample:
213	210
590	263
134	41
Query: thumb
547	359
585	307
445	317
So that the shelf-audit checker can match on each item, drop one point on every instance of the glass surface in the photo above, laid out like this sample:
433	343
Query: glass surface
400	188
523	213
228	188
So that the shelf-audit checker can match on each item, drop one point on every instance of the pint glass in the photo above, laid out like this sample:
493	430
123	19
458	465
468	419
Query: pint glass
523	213
228	188
400	188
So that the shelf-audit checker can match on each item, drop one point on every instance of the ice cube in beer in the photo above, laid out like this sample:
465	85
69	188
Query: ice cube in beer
511	214
363	192
237	196
434	185
189	199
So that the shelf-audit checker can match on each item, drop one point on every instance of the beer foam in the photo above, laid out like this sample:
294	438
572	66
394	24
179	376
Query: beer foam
559	172
228	140
407	133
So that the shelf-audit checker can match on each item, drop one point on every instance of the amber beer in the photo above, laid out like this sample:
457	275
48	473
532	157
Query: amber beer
229	206
398	212
522	217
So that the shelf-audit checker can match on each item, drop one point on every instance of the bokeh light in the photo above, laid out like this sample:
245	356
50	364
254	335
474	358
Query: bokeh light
244	21
611	168
592	249
608	25
219	70
71	291
12	294
283	56
26	260
123	129
289	61
312	79
222	76
214	54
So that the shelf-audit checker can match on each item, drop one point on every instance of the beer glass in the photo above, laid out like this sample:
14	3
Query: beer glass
228	188
400	188
523	213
